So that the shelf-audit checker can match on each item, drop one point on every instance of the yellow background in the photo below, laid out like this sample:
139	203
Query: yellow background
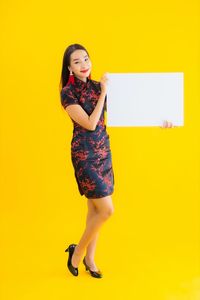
149	248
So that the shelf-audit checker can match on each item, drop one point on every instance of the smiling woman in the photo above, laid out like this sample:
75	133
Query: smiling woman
84	100
82	64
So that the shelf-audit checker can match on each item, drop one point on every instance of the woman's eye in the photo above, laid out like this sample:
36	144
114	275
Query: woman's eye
78	61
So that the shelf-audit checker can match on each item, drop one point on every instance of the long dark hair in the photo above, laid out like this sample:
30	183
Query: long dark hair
66	62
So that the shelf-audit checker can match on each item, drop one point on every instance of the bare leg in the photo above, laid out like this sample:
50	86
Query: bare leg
105	209
90	252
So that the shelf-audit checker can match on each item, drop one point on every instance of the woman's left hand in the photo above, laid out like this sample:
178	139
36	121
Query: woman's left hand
167	124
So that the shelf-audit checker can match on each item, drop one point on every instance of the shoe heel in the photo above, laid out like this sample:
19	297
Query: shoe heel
71	268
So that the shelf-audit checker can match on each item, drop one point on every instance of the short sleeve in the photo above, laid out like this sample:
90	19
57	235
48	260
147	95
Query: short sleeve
68	97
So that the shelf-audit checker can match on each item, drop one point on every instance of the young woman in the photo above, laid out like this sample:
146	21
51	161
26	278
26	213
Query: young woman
84	100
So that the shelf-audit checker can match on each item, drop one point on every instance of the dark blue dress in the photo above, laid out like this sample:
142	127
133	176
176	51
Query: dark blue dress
90	150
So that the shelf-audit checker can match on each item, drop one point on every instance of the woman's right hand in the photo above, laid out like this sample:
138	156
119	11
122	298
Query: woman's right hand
103	83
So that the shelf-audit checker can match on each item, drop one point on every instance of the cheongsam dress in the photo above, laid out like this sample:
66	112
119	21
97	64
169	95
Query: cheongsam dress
90	149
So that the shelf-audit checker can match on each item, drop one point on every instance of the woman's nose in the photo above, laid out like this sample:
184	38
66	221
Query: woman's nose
84	66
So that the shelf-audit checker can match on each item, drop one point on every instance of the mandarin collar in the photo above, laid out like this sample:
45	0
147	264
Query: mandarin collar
80	83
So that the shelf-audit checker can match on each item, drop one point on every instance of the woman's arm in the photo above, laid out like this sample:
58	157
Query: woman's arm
78	114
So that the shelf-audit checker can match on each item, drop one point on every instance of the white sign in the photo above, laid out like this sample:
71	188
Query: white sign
145	99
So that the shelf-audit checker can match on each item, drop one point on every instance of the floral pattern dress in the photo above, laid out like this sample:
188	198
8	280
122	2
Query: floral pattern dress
90	150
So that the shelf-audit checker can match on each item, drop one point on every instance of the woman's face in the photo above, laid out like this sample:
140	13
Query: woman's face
79	62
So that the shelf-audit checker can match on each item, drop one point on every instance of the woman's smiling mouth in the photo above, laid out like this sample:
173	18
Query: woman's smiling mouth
84	71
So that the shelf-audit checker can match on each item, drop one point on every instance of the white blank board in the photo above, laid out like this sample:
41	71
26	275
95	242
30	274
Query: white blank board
145	99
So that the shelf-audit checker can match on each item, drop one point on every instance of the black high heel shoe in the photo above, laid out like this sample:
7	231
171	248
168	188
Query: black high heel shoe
71	268
96	274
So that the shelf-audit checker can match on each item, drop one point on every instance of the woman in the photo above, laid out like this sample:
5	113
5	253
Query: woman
84	100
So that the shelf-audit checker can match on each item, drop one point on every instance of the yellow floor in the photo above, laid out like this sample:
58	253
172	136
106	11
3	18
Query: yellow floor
145	263
147	276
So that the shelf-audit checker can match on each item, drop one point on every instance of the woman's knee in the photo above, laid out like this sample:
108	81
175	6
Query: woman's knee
108	212
104	206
